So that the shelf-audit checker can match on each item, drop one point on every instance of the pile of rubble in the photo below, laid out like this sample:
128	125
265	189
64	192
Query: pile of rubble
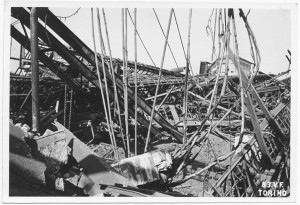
161	134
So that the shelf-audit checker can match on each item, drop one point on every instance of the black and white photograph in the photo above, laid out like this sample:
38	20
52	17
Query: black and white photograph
110	100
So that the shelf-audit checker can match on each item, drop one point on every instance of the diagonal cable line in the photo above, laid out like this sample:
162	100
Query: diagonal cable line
182	44
165	37
141	39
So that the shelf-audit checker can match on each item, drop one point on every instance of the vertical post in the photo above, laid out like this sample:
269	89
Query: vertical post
110	125
185	103
125	77
116	98
135	83
99	76
34	70
239	69
22	56
158	83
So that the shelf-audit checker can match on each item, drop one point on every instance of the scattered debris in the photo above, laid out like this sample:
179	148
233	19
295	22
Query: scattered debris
110	127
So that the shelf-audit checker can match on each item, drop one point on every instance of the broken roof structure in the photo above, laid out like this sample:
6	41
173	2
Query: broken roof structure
103	126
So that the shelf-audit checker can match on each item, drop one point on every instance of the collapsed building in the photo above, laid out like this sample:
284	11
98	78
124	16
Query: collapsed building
94	125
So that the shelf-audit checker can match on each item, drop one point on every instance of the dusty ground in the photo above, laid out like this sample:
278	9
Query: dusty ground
198	186
213	148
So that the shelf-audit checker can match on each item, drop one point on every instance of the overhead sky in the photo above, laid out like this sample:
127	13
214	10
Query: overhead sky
272	29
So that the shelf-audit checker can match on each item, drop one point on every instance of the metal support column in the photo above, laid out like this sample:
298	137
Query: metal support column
34	70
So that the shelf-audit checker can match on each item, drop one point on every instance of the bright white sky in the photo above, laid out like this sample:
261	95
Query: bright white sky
272	29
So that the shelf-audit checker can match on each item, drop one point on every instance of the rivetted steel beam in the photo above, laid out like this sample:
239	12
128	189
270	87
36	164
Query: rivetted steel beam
23	40
54	22
268	114
23	16
149	68
250	108
263	125
67	35
48	38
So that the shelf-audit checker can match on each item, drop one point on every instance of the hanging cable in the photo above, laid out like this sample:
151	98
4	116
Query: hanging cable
220	33
165	37
102	46
107	98
225	48
141	40
220	62
209	31
69	16
110	131
225	20
210	111
186	79
212	32
112	72
182	42
237	57
135	83
226	44
179	34
214	35
159	77
257	58
125	77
